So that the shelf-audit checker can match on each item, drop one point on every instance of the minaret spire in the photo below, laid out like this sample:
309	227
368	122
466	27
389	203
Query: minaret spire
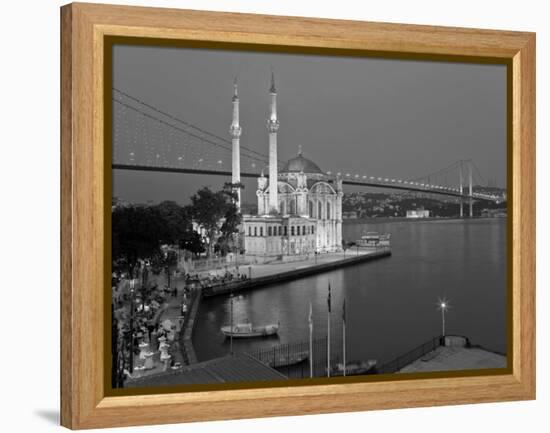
273	127
272	88
235	130
235	90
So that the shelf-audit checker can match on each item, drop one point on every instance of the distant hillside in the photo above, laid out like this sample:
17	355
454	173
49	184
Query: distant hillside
368	204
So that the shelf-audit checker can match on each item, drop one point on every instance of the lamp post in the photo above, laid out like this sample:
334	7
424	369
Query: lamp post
443	305
237	261
231	321
132	292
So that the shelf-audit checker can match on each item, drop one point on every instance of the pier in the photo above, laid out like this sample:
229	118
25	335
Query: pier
264	275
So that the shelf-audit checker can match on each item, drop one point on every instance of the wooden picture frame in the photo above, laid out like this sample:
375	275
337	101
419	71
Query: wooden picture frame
84	162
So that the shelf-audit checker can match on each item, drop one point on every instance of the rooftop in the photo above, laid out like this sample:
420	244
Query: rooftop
449	358
300	164
231	368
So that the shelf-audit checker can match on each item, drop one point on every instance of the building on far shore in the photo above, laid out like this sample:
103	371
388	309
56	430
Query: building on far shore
299	208
418	213
494	213
351	215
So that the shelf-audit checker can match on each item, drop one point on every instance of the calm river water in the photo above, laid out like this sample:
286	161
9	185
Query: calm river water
390	303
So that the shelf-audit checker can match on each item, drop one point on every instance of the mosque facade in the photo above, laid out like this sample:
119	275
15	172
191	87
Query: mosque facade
299	206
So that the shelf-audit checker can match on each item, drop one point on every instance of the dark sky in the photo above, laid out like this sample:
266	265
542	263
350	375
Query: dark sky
382	117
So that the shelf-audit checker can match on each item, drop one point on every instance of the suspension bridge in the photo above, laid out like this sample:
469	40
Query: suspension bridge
147	138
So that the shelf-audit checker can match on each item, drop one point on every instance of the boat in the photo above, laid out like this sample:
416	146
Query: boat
354	368
374	239
285	359
246	330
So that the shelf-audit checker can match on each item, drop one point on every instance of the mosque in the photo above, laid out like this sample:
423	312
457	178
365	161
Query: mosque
299	207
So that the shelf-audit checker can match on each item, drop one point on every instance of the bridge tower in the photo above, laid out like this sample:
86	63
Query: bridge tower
460	189
273	127
235	130
471	202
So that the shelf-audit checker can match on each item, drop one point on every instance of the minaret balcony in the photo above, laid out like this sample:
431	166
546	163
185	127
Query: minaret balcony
235	131
273	125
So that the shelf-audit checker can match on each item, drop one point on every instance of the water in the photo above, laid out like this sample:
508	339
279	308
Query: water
390	303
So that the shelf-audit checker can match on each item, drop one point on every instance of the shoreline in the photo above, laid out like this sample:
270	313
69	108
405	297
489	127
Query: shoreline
405	219
188	330
293	274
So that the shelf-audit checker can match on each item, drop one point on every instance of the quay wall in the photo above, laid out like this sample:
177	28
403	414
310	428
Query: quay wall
253	283
189	328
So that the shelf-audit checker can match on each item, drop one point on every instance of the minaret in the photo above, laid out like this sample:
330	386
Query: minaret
273	127
235	130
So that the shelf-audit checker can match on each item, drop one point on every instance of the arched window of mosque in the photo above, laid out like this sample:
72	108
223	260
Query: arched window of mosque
261	231
328	210
249	231
304	230
292	206
297	230
311	209
312	230
269	231
286	230
255	231
292	231
280	230
319	210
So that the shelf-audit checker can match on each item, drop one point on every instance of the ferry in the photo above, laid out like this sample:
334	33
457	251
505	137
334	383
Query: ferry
246	330
374	239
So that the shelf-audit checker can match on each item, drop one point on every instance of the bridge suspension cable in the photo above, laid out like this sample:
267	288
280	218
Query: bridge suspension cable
144	113
203	131
444	170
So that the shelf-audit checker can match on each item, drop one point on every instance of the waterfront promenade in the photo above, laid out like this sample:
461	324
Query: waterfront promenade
260	275
182	349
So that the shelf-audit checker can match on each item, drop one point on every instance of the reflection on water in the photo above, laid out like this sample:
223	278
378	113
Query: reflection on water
390	303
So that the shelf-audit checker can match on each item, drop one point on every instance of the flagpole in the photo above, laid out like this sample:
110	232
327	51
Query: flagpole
328	346
328	334
344	332
310	341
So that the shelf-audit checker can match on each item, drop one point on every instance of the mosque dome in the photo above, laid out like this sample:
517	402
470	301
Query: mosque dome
301	165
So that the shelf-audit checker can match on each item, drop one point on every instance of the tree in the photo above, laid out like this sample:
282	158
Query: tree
207	209
217	214
192	241
175	221
136	231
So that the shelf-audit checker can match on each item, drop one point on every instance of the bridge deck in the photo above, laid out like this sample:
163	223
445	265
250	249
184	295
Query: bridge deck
374	183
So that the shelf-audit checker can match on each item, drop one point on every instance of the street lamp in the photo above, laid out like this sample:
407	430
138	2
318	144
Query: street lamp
231	323
443	305
132	299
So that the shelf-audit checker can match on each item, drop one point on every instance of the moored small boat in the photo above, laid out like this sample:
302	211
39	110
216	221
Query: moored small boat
285	359
246	330
354	368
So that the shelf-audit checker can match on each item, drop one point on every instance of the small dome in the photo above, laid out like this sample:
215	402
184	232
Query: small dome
301	165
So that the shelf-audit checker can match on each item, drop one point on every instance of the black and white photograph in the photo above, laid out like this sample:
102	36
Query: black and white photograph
295	216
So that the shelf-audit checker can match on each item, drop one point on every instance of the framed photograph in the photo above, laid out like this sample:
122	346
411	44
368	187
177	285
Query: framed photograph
311	215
